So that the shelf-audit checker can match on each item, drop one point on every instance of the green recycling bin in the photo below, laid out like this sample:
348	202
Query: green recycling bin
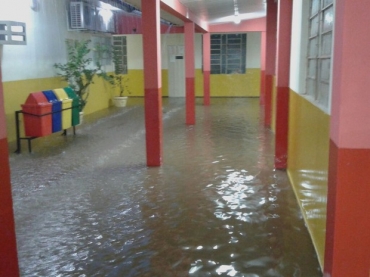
75	105
66	106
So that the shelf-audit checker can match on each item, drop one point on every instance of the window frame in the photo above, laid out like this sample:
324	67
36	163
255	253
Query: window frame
318	56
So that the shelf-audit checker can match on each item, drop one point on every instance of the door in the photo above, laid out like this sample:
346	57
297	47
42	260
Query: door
176	71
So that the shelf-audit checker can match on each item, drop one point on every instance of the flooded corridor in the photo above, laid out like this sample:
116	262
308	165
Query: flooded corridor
87	205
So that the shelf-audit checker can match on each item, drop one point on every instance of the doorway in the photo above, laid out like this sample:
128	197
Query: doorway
176	71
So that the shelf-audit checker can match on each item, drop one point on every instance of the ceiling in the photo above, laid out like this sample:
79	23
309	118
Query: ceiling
216	11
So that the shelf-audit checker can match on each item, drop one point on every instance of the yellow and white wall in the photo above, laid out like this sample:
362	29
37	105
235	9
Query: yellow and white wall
29	68
241	85
308	148
222	85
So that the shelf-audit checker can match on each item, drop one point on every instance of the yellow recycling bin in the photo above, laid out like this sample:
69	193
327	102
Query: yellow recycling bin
66	106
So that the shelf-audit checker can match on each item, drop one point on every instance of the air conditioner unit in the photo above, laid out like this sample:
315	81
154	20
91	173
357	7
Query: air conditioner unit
90	16
81	15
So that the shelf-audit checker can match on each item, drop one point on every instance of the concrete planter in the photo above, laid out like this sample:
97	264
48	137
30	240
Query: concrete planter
120	101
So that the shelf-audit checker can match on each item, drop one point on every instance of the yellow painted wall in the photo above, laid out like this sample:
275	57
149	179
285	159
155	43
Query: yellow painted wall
308	159
164	82
199	83
273	105
135	83
236	85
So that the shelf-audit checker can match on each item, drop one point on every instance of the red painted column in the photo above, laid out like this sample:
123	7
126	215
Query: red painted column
206	68
152	81
8	246
190	72
271	26
285	8
263	68
347	248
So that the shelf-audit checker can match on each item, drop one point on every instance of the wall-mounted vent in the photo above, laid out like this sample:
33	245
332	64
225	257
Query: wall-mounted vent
76	15
12	32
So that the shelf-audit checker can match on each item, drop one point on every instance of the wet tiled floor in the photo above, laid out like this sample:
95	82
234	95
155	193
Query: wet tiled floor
87	205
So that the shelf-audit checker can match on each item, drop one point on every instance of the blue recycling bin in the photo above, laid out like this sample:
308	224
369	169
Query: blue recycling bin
56	109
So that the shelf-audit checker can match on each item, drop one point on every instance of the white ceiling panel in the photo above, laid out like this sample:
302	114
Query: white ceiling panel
216	11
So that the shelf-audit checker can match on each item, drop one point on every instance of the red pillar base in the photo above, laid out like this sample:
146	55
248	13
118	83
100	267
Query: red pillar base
8	246
282	122
153	124
190	101
206	88
347	251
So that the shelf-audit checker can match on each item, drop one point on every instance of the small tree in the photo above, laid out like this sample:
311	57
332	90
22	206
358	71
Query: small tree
78	71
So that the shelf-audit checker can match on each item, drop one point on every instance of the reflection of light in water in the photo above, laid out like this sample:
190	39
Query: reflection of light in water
237	177
314	174
229	269
195	266
239	190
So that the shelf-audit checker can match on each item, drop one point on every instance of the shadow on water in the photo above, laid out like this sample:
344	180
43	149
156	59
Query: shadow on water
89	206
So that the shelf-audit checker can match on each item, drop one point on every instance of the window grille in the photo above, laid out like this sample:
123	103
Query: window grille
120	53
228	53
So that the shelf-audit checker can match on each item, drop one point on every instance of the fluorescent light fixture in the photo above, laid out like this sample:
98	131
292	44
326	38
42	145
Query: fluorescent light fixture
106	15
242	16
107	6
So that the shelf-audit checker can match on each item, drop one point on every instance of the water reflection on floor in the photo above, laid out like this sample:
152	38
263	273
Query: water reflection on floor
88	205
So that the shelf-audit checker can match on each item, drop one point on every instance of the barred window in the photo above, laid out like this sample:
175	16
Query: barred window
228	53
120	54
321	19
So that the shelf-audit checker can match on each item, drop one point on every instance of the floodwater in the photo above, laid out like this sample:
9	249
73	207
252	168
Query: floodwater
87	205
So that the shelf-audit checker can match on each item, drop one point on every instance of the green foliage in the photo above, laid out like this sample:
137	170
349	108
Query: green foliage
78	71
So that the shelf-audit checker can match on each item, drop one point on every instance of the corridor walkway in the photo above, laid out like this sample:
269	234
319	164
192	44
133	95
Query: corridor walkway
87	205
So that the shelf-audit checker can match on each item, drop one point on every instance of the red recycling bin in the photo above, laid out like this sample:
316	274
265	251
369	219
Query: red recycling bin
37	115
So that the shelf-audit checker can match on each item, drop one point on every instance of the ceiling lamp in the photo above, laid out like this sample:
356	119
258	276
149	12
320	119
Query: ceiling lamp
237	18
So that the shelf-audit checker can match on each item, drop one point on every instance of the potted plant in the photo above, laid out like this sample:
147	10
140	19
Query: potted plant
79	71
120	81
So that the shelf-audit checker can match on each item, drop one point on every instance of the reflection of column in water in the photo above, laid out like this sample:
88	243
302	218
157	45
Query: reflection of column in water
159	216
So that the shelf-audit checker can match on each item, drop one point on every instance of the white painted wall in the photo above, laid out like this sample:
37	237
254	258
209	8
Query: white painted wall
135	59
253	50
46	30
298	63
135	49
